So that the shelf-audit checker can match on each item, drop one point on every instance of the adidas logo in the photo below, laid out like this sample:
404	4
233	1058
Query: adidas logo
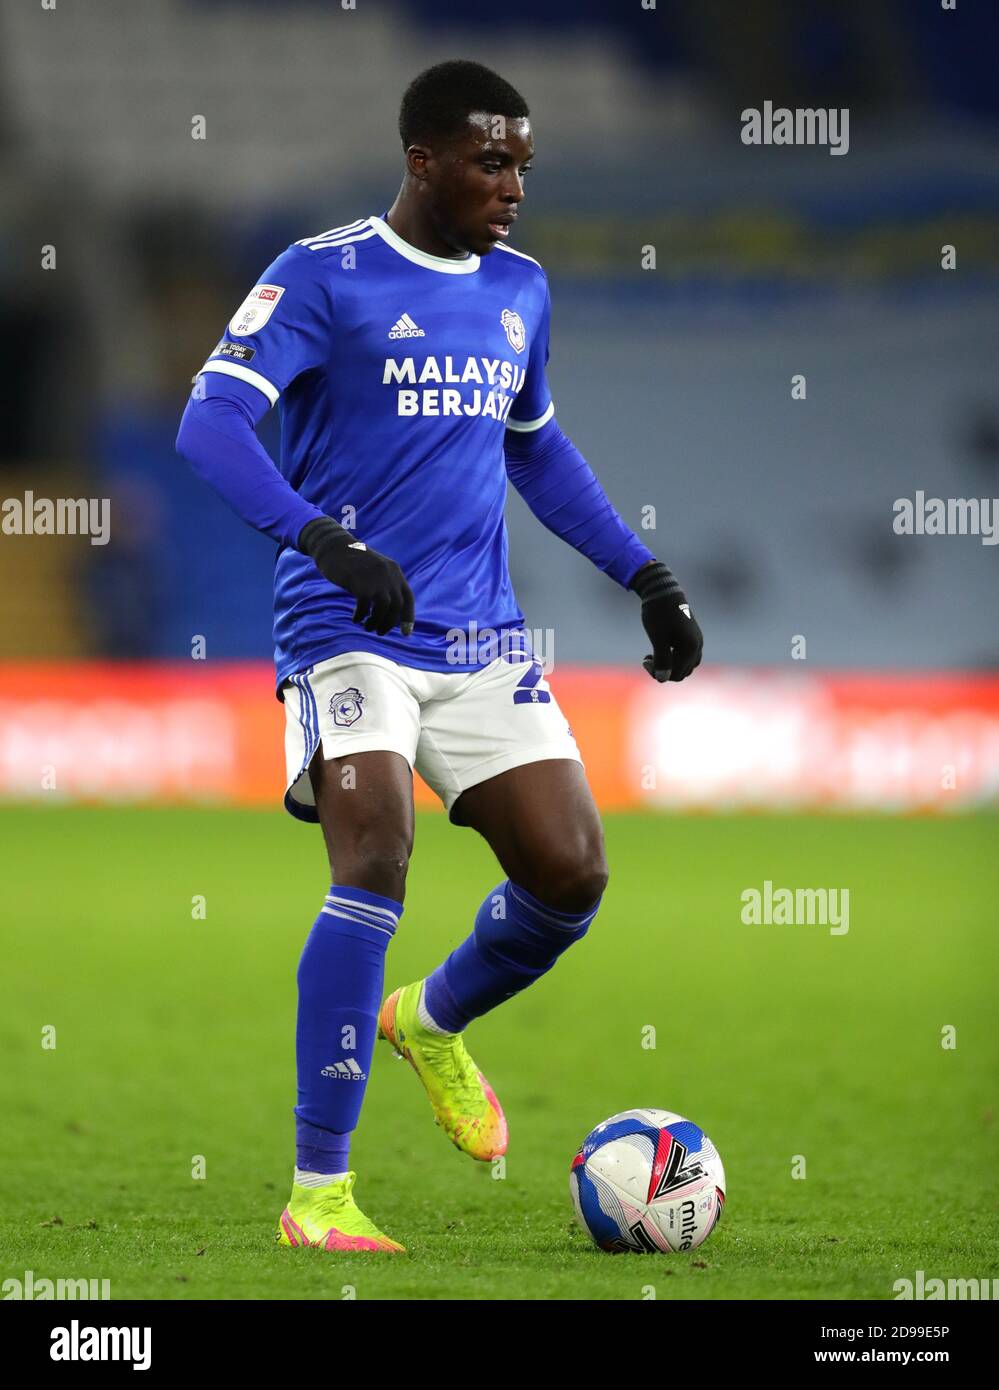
406	328
344	1071
685	608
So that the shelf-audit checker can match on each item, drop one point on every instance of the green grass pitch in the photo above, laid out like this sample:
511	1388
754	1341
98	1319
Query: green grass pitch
175	1038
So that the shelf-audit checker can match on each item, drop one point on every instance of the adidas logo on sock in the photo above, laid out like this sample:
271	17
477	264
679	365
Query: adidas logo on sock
344	1071
406	328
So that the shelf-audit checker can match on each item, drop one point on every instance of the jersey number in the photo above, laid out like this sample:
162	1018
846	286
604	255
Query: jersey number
526	692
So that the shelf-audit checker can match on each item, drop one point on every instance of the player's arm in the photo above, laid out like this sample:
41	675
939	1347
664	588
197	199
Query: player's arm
218	438
564	494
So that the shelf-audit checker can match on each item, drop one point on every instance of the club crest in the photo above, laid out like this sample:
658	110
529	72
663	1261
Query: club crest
513	324
346	707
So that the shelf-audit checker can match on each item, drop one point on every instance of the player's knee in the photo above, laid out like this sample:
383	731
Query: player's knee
375	862
576	882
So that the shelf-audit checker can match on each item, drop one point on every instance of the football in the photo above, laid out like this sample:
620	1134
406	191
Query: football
647	1181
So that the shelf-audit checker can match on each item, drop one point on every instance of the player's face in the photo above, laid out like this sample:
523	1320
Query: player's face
478	181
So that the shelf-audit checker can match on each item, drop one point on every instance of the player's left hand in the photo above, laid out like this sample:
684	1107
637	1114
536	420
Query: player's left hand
675	634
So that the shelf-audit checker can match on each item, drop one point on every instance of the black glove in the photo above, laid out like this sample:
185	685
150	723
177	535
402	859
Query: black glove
378	584
672	629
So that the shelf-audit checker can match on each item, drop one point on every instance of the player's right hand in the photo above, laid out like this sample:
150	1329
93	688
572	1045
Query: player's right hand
384	599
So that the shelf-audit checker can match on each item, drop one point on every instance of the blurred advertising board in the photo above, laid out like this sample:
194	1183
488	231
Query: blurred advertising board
730	739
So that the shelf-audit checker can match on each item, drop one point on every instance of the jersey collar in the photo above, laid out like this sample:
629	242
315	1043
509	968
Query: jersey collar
447	265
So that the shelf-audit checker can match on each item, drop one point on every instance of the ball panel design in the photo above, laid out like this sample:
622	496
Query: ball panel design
648	1180
602	1226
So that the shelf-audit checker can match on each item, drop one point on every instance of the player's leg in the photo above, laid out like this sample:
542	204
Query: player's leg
364	802
540	821
537	814
363	799
542	824
365	806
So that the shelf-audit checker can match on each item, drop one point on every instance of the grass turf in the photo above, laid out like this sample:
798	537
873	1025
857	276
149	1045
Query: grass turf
175	1038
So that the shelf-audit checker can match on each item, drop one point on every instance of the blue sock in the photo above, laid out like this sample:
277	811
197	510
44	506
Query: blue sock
516	939
340	979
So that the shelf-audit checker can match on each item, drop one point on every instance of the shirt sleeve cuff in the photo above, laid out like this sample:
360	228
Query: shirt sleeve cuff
242	373
526	426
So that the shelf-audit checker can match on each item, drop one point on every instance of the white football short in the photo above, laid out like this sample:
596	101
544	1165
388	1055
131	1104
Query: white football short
456	728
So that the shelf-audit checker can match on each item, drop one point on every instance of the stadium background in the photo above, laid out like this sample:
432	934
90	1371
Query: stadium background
675	383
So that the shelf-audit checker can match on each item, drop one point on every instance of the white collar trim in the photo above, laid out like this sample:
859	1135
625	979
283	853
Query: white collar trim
447	265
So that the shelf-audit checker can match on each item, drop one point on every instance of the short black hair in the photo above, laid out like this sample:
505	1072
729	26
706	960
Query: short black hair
437	104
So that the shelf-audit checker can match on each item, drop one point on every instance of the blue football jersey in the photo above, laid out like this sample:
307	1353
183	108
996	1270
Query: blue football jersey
397	374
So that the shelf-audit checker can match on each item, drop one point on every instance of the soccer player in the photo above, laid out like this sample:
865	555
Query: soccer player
409	353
